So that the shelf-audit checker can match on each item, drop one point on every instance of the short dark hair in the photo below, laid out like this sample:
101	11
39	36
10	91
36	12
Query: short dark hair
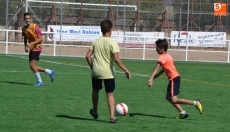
162	43
26	14
106	25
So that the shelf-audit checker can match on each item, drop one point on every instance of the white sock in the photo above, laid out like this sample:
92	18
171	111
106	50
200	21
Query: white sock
48	71
38	77
195	102
182	112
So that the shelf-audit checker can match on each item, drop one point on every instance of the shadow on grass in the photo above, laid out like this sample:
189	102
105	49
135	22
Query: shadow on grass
79	118
156	116
20	83
141	114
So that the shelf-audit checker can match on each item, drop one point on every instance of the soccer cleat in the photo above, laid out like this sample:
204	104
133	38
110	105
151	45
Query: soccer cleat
38	84
183	116
52	75
113	121
199	105
93	114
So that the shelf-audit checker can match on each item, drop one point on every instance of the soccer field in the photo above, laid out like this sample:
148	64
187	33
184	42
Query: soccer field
63	105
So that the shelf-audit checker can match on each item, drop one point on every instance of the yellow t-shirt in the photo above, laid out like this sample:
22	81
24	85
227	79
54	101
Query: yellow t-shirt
102	61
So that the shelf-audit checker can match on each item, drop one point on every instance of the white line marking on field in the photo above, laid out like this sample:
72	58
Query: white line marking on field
133	74
2	71
59	63
59	73
14	71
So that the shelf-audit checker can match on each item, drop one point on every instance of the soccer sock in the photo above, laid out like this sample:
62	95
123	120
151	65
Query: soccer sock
182	112
38	77
48	71
195	102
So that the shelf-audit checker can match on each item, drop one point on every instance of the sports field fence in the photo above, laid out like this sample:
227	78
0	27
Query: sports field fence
127	15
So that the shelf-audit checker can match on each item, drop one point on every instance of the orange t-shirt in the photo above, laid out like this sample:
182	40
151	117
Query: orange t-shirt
166	61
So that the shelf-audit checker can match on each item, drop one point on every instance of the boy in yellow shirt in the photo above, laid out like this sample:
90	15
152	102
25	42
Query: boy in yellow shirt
105	52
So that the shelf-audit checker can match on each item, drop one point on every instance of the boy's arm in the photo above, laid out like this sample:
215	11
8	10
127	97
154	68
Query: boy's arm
121	65
150	82
158	74
88	57
25	44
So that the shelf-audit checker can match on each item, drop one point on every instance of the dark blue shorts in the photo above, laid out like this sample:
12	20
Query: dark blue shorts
34	55
109	84
174	86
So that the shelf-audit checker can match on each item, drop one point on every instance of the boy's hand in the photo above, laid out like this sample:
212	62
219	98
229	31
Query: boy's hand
127	74
150	83
30	46
26	49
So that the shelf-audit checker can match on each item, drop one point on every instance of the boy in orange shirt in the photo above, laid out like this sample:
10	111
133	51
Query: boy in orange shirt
32	33
167	63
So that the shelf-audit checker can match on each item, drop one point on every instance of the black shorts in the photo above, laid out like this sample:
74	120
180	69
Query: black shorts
174	86
34	55
109	84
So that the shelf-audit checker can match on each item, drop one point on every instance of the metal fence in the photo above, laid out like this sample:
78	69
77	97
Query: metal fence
202	54
127	15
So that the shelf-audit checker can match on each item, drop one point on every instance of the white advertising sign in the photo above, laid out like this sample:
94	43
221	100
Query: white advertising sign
74	33
198	39
137	39
91	33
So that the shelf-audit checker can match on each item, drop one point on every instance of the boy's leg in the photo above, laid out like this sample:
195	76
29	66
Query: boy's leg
48	71
170	98
183	114
176	101
173	91
33	58
95	98
34	68
36	56
109	88
111	104
40	69
97	85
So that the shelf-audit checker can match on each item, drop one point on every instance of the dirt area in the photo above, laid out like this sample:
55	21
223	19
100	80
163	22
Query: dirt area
206	54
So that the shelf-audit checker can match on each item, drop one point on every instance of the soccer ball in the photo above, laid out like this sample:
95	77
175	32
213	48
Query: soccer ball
121	109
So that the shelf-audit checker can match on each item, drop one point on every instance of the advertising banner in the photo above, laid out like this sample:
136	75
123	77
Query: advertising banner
137	39
74	33
91	33
198	39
